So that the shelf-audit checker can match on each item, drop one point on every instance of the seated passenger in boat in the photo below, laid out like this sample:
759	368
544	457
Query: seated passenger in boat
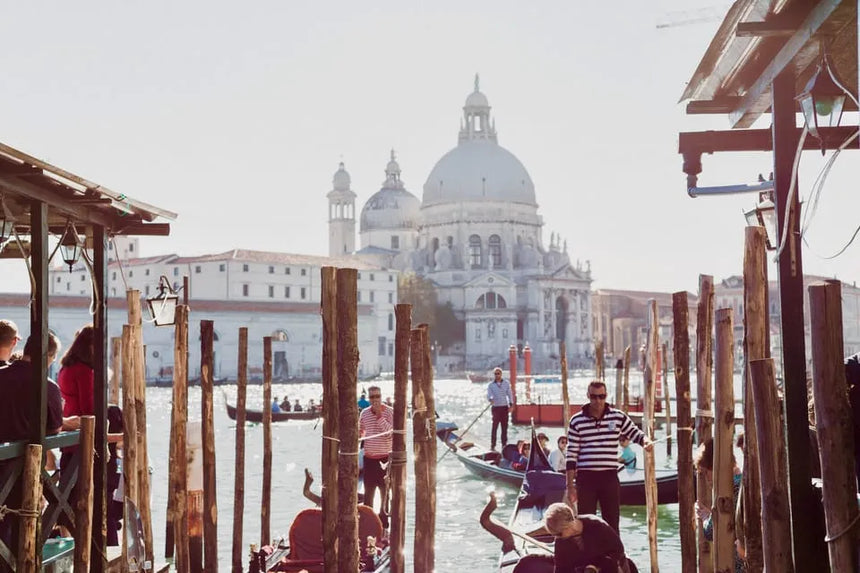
297	407
523	460
627	457
285	404
584	543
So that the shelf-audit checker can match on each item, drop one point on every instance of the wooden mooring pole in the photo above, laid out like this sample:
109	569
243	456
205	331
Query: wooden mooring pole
403	313
599	370
239	467
84	496
116	366
833	421
129	459
210	501
177	512
686	495
625	402
619	382
565	392
331	423
266	496
347	375
424	446
194	440
704	414
723	513
651	367
667	405
29	555
775	513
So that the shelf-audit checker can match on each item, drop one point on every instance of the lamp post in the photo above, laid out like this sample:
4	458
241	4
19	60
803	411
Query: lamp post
162	306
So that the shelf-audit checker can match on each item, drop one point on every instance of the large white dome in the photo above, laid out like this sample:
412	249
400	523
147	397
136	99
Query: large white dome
479	170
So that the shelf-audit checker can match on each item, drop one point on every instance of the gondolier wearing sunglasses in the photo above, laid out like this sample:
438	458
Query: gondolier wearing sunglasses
375	420
592	455
499	394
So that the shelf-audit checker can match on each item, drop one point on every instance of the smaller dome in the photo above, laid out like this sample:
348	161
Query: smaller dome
341	180
390	209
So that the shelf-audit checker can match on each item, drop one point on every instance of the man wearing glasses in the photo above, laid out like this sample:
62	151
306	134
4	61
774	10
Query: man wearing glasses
9	338
373	421
499	394
592	455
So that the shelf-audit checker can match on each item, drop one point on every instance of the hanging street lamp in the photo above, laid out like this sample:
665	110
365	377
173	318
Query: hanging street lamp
823	98
70	246
764	215
162	306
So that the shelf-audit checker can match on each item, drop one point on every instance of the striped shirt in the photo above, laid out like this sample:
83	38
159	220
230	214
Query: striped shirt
499	393
369	424
592	443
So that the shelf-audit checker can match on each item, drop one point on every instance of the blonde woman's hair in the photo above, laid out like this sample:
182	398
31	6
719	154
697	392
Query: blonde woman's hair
557	517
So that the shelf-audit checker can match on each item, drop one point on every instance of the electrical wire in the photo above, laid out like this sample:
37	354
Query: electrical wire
791	191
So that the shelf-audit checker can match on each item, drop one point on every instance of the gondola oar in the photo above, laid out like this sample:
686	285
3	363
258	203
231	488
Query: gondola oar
464	431
503	532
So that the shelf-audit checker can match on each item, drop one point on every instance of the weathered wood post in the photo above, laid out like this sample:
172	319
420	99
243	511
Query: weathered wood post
239	480
116	368
266	497
194	441
177	512
599	371
423	423
667	405
29	554
84	496
833	421
210	501
723	515
512	359
565	393
619	382
331	422
347	349
775	512
527	371
651	367
403	313
626	394
756	346
704	414
129	459
686	495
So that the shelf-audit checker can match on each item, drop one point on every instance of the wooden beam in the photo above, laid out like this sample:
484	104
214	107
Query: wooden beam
147	229
758	140
720	105
745	113
49	197
764	29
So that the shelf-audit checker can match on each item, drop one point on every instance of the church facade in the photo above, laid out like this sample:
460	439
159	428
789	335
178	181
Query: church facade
477	235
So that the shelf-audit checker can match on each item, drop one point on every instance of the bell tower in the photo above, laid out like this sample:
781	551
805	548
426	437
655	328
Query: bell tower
341	215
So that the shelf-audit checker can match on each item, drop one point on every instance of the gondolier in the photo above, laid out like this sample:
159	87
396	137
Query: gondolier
499	394
376	423
592	454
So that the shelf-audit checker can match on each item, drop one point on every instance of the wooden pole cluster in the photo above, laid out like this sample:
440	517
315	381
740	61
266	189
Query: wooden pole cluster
424	449
29	557
625	401
686	495
833	421
565	394
723	512
239	478
403	313
177	507
704	415
210	501
756	346
331	423
775	512
667	406
84	496
347	352
266	497
651	367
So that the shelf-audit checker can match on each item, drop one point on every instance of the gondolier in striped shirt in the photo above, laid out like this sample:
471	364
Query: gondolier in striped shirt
592	455
499	394
373	421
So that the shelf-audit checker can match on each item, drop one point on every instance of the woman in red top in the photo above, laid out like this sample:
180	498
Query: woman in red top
76	375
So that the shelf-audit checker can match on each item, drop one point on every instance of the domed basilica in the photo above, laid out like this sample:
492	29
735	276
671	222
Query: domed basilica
477	235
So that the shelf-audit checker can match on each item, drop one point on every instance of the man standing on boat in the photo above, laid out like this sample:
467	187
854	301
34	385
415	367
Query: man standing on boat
592	455
499	394
375	424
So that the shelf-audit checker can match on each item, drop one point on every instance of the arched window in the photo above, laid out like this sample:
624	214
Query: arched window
280	336
495	245
491	300
475	251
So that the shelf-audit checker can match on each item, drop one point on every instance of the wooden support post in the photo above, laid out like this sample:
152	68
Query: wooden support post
626	395
239	481
833	421
651	368
116	366
667	405
29	548
143	500
598	360
84	496
756	346
686	494
129	455
704	414
775	513
177	513
723	515
565	393
619	383
194	439
98	276
266	497
331	422
210	501
403	313
347	374
423	423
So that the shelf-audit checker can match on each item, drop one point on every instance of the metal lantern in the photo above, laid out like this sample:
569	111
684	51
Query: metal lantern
822	99
764	215
70	246
162	307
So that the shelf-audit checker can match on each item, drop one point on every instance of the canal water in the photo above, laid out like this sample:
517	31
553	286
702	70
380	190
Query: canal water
461	543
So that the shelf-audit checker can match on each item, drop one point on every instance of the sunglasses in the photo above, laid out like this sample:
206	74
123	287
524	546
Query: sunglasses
375	396
597	396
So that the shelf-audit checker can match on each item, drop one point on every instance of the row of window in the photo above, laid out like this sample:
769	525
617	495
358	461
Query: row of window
221	268
303	292
476	250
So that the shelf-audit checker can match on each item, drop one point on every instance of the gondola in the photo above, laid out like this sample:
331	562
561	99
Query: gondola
257	415
498	466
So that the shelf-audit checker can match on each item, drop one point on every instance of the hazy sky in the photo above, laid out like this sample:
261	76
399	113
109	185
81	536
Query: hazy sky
235	116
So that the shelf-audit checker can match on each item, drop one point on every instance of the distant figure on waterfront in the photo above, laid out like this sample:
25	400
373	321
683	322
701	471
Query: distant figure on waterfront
584	542
9	338
297	407
276	407
311	406
703	459
628	456
363	401
499	394
285	404
556	457
592	455
376	423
